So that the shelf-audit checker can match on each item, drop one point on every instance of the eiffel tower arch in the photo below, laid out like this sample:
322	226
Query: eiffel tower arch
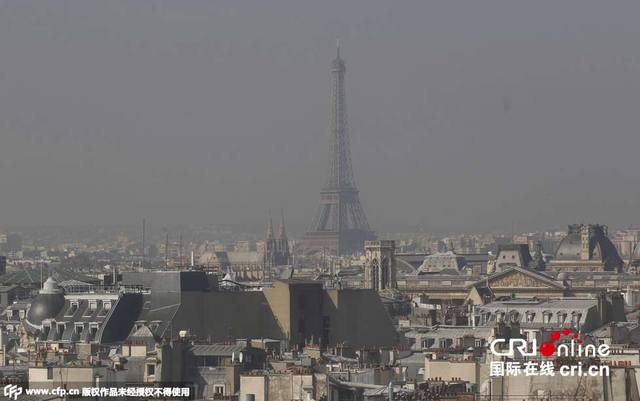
340	225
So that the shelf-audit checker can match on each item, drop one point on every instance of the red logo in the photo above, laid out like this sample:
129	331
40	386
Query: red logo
547	348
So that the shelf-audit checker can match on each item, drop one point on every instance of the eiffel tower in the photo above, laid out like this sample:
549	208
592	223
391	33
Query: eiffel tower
340	225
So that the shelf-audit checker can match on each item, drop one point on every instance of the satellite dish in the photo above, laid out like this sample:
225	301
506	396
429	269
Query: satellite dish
233	357
240	357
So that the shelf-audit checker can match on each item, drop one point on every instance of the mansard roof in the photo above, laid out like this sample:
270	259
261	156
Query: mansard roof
528	277
600	246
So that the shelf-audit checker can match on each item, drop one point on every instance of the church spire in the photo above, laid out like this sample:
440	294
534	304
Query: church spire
281	229
270	228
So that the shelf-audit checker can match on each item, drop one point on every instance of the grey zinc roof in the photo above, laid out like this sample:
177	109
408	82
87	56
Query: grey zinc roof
551	304
216	349
32	277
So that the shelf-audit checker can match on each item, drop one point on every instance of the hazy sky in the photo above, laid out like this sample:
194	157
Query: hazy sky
464	115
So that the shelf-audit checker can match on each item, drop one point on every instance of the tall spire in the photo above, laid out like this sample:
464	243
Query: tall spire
281	230
270	228
340	171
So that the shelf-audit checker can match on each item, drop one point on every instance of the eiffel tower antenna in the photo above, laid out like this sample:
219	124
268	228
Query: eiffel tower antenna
340	225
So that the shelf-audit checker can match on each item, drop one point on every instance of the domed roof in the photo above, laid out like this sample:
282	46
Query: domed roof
600	246
51	287
47	304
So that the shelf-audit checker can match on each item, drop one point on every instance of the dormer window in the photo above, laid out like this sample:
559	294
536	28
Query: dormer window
575	318
562	317
46	328
60	329
531	316
93	330
73	307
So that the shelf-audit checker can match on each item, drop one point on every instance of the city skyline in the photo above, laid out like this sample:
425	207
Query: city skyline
466	130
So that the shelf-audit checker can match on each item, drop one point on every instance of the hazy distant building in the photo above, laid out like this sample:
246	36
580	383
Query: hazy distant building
512	255
276	249
243	246
3	264
538	263
586	247
380	266
241	266
442	262
13	245
626	241
340	225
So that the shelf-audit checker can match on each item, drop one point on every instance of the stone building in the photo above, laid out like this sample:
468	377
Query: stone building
296	311
512	255
276	252
59	317
380	266
586	247
442	262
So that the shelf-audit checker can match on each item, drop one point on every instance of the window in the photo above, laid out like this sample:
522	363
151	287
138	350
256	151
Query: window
486	317
91	308
93	330
530	316
60	329
73	307
151	370
218	389
49	373
562	317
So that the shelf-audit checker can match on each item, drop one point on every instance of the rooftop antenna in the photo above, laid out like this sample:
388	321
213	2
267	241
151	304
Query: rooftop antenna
144	229
338	47
180	249
166	250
